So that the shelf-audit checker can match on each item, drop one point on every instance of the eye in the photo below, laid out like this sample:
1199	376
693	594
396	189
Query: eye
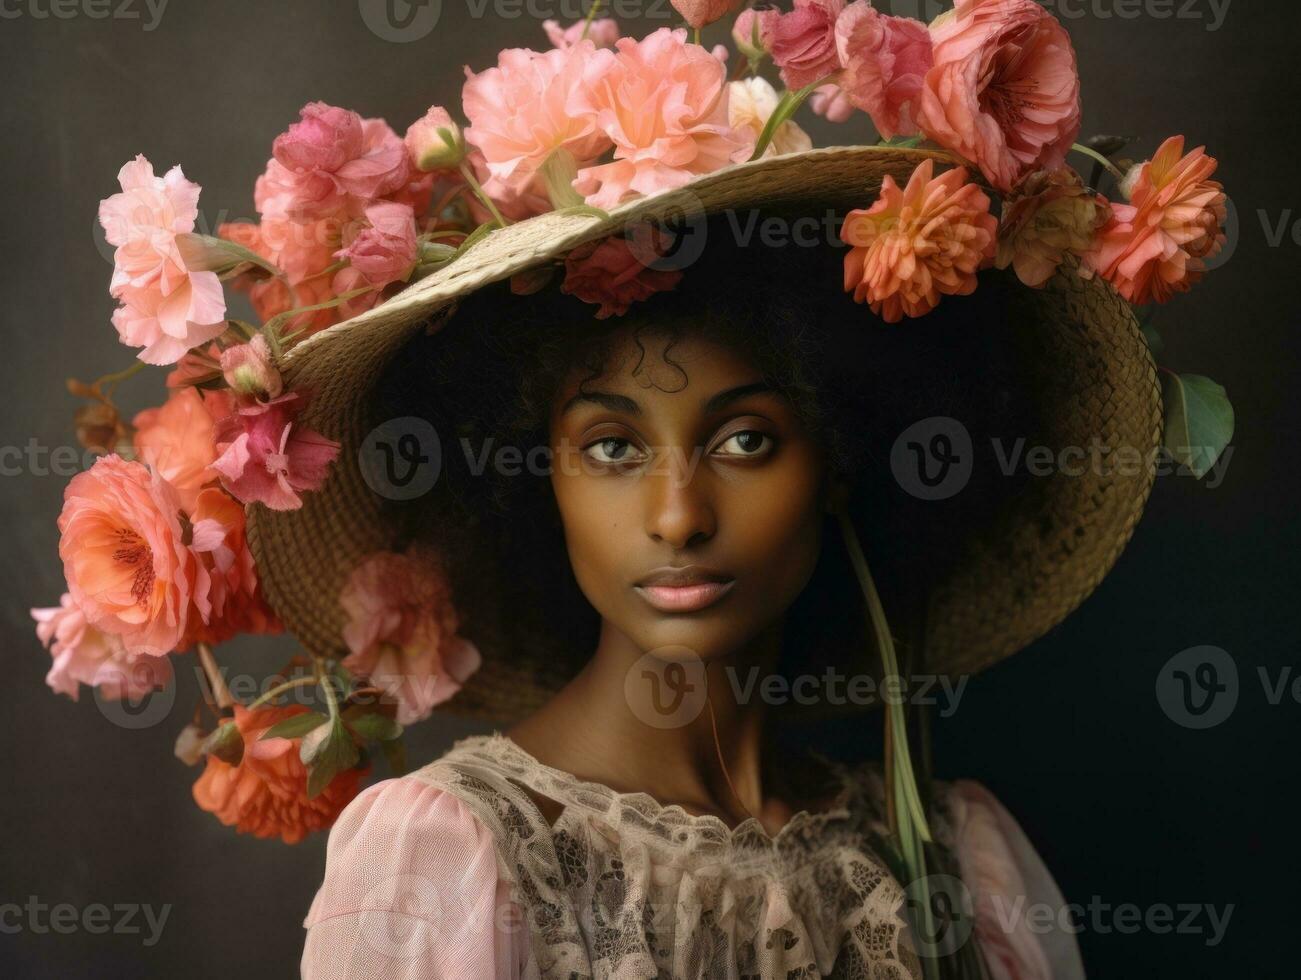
612	450
747	442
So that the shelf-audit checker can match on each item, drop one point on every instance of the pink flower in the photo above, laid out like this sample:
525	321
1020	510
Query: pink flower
526	109
916	245
886	60
434	141
664	105
803	42
329	162
752	31
698	13
1004	91
386	250
1157	246
402	629
84	655
1050	214
234	600
124	555
166	309
250	370
615	275
1003	873
831	101
603	32
177	440
267	457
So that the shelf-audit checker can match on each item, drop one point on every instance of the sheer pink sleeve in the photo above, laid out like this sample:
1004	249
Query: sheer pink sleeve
411	891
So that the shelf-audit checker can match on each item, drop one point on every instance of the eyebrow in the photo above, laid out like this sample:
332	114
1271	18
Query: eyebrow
622	403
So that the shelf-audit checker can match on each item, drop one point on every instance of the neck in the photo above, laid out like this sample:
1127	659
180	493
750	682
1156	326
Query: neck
653	732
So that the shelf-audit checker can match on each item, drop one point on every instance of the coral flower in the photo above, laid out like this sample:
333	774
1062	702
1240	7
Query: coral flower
266	456
1004	91
1158	245
664	105
385	250
233	598
266	793
178	439
916	245
524	111
401	630
886	59
1052	214
614	275
698	13
166	309
125	557
831	102
85	655
803	42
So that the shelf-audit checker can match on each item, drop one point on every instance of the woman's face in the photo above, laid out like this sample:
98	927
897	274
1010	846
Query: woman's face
692	471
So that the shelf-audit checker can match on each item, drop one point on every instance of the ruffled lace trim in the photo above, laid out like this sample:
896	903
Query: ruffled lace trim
622	887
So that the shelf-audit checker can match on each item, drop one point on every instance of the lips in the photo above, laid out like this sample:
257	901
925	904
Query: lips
684	589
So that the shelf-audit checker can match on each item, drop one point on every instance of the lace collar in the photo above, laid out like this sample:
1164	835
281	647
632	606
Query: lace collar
669	823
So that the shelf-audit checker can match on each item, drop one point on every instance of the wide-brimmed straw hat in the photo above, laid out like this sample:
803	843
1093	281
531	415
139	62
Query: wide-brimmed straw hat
1094	383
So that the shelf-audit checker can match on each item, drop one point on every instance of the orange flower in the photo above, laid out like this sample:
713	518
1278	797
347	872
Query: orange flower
177	440
1157	245
916	245
266	794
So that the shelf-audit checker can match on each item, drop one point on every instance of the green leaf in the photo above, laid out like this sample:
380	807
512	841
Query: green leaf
327	756
226	743
375	727
295	727
1198	420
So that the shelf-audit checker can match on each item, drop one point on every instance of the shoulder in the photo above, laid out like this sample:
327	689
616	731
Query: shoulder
399	844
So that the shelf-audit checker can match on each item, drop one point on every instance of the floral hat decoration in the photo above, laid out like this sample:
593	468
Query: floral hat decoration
239	504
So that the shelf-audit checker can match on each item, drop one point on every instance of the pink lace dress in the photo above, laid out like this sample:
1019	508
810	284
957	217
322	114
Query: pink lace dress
452	871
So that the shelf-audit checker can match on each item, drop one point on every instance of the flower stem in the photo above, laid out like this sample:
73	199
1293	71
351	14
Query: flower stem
470	179
786	107
1098	157
117	376
591	15
275	692
215	680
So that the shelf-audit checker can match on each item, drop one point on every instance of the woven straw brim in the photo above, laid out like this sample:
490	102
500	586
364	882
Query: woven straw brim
1017	580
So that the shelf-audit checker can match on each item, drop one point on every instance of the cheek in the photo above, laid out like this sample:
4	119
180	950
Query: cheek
592	523
780	525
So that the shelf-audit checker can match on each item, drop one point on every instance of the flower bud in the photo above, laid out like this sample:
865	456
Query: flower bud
751	30
1131	178
435	141
250	370
189	745
226	743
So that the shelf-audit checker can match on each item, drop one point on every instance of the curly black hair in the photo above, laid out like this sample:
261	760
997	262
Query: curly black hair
486	380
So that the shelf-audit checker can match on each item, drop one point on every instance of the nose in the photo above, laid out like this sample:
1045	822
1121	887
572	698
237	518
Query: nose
679	510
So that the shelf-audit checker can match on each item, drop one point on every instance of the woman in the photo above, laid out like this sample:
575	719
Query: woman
655	809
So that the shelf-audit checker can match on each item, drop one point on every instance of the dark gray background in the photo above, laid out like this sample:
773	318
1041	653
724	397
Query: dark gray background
1124	804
